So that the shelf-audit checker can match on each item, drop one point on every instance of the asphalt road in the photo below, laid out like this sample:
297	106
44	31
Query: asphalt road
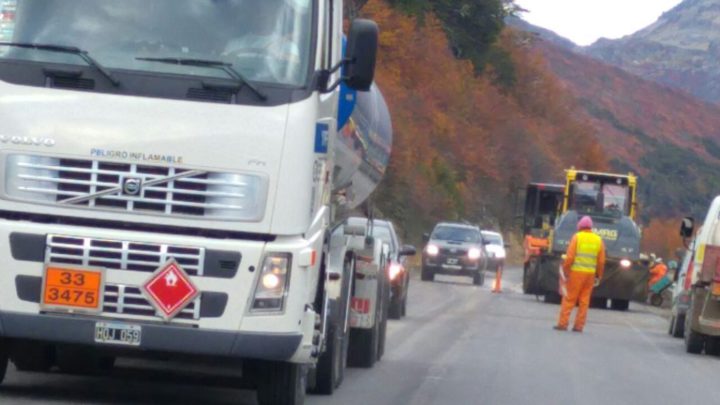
460	344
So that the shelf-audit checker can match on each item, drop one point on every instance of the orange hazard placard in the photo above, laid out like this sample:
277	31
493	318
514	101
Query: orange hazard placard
73	289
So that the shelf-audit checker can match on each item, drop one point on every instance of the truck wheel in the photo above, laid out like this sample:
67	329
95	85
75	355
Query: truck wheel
328	366
3	361
403	311
427	275
671	328
620	305
363	347
282	384
656	300
694	341
385	297
479	278
34	357
712	346
679	326
526	280
553	298
395	310
599	302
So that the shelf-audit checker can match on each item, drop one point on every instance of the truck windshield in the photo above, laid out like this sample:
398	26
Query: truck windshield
266	40
456	234
598	198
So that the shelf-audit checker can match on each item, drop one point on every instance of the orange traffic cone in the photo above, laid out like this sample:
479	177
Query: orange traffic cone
498	281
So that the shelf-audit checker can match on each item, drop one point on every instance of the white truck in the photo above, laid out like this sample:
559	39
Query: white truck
701	329
174	181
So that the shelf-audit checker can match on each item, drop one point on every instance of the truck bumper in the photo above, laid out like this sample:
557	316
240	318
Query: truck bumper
155	337
222	325
617	283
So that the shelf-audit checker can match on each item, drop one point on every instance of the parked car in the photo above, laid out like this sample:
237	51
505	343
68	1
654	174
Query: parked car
455	249
681	294
495	248
397	271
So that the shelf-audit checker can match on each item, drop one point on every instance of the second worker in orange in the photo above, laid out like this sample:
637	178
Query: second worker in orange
583	268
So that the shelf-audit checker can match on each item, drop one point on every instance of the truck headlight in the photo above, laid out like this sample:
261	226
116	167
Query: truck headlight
474	253
272	284
625	263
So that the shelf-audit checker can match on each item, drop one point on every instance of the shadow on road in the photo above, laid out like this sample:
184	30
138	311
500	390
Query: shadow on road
129	385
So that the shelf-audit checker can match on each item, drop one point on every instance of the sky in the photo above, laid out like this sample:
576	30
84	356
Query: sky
585	21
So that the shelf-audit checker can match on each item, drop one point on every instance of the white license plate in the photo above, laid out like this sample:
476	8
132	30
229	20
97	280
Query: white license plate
452	261
118	334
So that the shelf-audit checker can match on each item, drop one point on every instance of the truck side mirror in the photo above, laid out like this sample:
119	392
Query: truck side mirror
361	54
426	237
687	227
408	250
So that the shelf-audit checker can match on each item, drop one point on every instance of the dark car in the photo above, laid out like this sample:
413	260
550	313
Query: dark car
455	249
397	272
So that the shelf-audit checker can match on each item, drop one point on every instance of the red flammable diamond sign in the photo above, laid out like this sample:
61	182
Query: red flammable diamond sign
170	289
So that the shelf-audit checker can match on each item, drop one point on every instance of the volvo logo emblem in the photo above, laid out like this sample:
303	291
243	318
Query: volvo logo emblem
132	186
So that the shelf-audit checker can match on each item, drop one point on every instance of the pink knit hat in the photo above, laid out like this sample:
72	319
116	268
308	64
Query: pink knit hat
585	223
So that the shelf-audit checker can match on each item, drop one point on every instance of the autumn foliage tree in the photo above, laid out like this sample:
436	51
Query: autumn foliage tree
465	143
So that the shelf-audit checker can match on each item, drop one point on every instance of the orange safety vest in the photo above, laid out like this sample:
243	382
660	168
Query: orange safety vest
588	248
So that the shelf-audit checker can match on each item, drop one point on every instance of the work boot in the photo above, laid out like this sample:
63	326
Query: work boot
560	328
578	330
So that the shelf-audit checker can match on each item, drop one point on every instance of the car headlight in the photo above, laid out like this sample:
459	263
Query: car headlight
500	253
474	253
272	285
625	263
432	250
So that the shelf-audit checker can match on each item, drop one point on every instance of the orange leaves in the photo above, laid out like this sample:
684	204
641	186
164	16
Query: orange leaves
462	144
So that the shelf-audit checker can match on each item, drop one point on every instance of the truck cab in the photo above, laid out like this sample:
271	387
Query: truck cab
144	153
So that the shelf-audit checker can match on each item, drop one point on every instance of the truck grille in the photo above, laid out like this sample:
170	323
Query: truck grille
122	299
170	191
122	255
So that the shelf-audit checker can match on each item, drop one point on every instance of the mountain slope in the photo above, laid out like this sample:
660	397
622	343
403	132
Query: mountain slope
681	49
669	137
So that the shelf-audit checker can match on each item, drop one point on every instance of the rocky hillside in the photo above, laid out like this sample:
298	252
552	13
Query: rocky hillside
681	49
669	137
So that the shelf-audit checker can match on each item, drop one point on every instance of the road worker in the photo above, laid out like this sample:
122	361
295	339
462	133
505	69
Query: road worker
657	272
583	269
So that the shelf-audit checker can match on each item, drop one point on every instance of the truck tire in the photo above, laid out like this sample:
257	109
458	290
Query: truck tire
363	347
427	275
479	278
527	281
326	373
679	326
33	357
3	361
656	300
600	302
395	310
620	305
531	275
404	307
385	299
694	341
282	384
553	298
712	346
